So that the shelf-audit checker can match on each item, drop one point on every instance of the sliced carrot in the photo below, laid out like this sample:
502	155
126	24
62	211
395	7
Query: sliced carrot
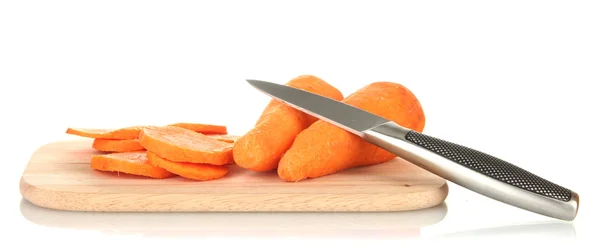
135	163
132	132
183	145
224	138
117	145
203	128
194	171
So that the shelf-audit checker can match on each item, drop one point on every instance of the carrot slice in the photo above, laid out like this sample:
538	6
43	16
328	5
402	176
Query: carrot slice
134	163
131	132
194	171
202	128
224	138
117	145
183	145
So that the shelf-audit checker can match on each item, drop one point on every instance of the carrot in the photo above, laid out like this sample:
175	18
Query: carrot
116	145
203	128
261	148
194	171
132	132
225	138
182	145
135	163
324	149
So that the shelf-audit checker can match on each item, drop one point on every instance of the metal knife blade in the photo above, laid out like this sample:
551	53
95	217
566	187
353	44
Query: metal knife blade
345	116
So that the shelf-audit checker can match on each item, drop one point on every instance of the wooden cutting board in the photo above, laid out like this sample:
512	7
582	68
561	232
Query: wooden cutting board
58	176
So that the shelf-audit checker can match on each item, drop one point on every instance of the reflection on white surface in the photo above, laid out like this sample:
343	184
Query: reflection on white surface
542	230
378	224
390	225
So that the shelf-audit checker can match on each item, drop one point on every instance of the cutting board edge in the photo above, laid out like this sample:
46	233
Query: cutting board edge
45	198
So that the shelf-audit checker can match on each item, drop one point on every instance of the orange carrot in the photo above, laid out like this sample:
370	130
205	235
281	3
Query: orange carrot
132	132
225	138
135	163
324	149
116	145
203	128
261	148
182	145
194	171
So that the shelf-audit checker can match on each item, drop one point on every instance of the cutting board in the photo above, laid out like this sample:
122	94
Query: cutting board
59	176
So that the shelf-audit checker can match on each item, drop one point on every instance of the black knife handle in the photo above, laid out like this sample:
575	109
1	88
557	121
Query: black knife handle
478	171
490	166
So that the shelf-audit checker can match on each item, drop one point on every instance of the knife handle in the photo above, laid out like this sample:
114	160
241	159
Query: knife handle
477	171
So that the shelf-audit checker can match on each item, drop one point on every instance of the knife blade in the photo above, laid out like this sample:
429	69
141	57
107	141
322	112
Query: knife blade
464	166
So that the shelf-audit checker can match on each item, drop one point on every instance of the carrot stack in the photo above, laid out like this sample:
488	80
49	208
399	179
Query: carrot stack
187	153
189	150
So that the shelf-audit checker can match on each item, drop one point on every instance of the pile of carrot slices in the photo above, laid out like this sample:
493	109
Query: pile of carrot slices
190	150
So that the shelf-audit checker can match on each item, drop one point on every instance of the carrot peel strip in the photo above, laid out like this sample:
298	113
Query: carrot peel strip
203	128
132	132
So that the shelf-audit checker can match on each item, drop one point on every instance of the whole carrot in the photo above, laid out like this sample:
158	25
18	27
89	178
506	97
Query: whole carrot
324	149
261	148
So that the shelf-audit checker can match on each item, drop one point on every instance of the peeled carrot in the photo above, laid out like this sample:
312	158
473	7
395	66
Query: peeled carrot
261	148
182	145
224	138
194	171
132	132
203	128
324	149
135	163
116	145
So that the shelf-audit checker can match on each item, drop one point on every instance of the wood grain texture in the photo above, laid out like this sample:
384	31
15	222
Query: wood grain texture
59	176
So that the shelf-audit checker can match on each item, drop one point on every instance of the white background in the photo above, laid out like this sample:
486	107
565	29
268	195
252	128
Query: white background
516	79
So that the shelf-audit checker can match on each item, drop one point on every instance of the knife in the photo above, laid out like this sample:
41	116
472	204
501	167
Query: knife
464	166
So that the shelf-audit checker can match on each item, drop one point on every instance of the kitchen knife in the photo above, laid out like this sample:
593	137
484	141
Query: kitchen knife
466	167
